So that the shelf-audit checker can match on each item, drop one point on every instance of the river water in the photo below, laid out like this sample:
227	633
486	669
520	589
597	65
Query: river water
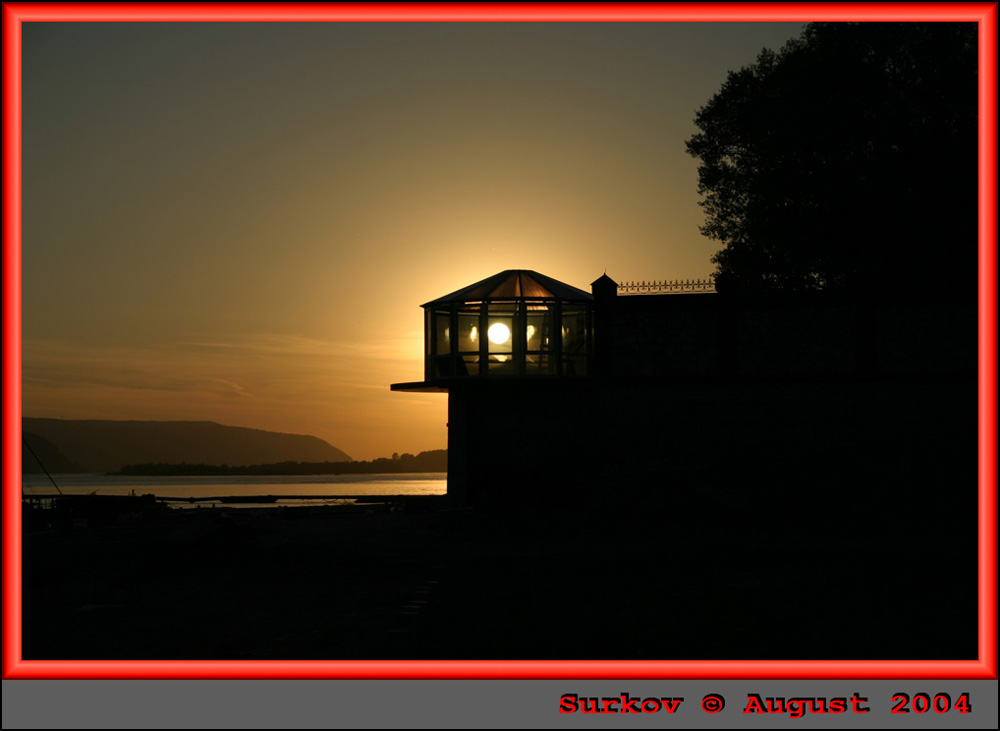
320	486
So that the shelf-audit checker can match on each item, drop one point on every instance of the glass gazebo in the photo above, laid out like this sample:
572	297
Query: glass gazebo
515	324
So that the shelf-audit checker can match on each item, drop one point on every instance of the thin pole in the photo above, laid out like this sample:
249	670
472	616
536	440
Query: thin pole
25	441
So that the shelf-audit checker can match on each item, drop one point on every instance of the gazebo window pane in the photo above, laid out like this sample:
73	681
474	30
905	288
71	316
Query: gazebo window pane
442	366
468	365
500	330
539	365
468	330
442	332
538	328
502	365
575	365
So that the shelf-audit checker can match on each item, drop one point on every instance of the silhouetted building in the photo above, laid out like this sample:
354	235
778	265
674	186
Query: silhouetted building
753	468
511	351
559	396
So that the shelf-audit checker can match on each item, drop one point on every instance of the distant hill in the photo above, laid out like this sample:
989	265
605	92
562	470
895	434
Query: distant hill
40	451
433	461
106	446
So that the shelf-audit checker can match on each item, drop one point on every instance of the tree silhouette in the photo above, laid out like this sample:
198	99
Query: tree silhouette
848	160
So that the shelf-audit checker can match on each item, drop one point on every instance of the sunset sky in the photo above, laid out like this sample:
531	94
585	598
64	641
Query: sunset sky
238	222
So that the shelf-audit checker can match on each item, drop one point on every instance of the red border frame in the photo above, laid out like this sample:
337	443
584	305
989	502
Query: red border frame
16	13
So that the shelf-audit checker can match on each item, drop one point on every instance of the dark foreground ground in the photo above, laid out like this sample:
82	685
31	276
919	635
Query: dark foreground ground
652	581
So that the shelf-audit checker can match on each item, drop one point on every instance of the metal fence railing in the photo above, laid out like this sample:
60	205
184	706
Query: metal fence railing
676	286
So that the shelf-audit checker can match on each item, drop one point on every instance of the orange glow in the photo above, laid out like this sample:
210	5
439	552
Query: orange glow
213	231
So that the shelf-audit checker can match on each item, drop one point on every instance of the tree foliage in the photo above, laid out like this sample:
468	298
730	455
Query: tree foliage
848	160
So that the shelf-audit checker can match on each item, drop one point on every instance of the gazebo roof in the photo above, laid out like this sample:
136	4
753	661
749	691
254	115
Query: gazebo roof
514	284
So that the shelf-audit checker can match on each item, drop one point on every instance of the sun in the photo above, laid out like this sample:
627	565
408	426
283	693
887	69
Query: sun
498	333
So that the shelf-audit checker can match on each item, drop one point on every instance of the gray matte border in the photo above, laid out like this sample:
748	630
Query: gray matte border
459	703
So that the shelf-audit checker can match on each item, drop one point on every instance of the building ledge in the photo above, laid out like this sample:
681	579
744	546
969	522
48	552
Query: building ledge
420	386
